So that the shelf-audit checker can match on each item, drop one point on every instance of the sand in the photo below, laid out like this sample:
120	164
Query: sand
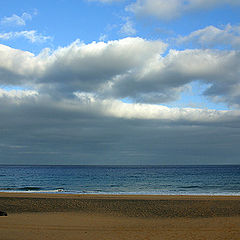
70	217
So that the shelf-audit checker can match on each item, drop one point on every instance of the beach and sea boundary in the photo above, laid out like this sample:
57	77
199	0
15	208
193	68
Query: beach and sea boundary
120	202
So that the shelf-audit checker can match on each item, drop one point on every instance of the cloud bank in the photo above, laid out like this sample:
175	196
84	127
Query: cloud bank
38	129
103	103
131	68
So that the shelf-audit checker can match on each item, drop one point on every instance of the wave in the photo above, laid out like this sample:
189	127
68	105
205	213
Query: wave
30	189
63	191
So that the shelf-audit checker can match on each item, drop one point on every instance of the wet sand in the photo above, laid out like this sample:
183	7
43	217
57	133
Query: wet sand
60	216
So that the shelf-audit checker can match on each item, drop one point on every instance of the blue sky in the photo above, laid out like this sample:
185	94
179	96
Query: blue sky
62	22
66	21
169	68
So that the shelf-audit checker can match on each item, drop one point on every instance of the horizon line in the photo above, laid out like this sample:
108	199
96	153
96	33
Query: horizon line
120	165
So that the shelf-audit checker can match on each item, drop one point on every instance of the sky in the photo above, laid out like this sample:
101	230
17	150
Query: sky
120	82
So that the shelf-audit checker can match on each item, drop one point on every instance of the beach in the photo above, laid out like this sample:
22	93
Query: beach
69	216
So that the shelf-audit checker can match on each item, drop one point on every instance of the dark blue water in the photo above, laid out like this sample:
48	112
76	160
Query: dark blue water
185	180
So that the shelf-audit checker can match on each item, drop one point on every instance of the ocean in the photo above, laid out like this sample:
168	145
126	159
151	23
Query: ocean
163	180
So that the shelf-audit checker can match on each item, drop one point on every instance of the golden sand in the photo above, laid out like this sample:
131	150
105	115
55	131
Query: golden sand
70	217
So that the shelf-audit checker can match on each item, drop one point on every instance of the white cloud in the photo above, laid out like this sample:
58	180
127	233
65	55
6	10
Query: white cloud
91	103
103	37
6	36
163	79
109	60
16	20
128	28
212	36
161	8
17	94
16	65
167	10
131	68
118	109
33	36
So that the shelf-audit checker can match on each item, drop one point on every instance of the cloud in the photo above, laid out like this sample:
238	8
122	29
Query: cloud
128	28
132	68
32	36
16	66
118	109
65	107
167	10
16	20
17	94
94	131
88	103
109	60
161	9
211	36
163	79
103	37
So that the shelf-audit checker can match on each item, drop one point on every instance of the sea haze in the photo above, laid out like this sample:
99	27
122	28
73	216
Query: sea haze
169	180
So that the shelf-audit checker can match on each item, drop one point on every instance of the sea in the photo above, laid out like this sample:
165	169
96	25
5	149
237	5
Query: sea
144	180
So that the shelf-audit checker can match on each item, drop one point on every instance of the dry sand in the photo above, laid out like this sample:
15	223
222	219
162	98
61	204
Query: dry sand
70	217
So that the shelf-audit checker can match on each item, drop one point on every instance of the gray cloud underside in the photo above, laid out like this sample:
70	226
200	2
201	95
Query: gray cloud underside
38	130
69	108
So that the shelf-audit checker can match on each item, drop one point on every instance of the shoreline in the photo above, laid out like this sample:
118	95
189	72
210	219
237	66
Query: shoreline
65	194
120	196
